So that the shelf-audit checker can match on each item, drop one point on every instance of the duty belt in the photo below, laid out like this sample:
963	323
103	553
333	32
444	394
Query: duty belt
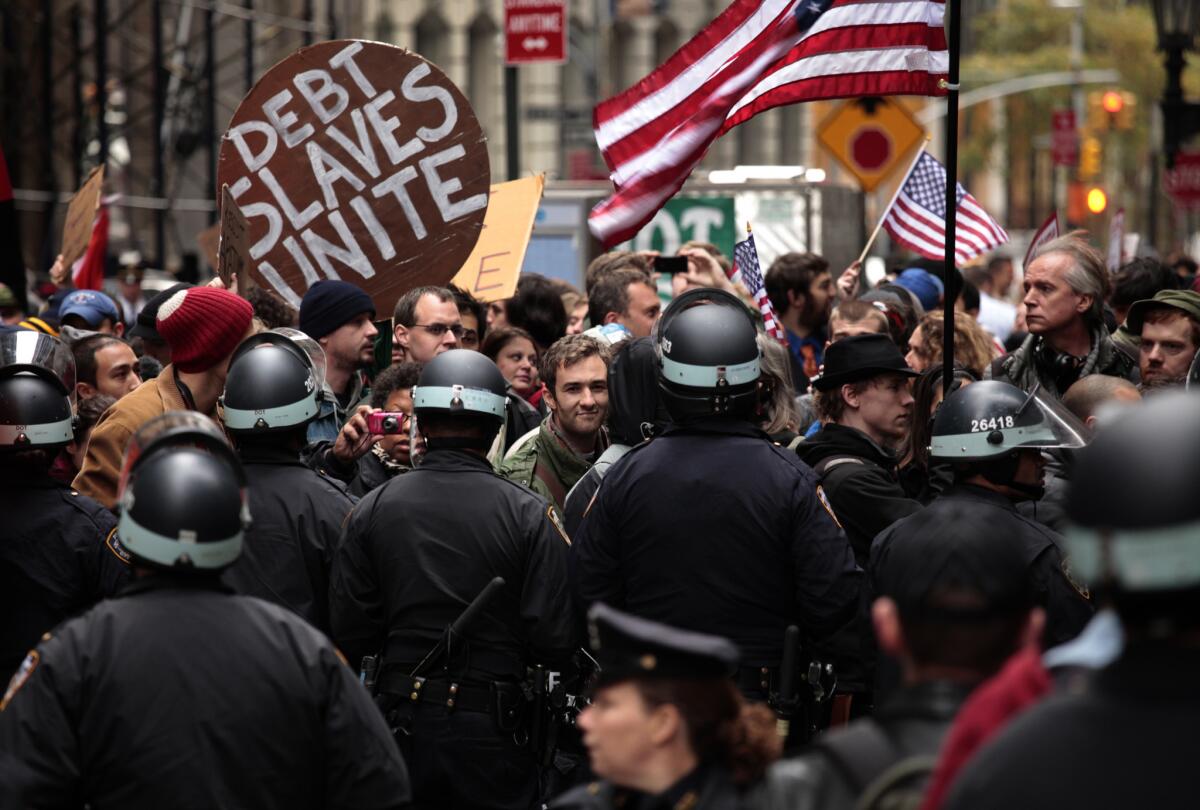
757	679
471	696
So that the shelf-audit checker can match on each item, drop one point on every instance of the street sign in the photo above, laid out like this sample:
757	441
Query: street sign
535	31
870	137
1065	143
1182	183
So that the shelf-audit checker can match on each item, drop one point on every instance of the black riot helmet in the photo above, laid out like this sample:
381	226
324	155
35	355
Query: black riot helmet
708	356
985	424
460	382
274	384
37	383
1133	505
182	496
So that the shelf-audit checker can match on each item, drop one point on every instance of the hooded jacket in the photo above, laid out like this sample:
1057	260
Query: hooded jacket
860	479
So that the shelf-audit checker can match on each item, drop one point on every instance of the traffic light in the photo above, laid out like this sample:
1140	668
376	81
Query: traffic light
1097	200
1091	158
1111	109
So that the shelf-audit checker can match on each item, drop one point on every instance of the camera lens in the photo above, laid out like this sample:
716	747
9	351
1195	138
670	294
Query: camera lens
390	424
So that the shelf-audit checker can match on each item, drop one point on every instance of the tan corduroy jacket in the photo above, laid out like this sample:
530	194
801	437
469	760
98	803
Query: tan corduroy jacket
106	447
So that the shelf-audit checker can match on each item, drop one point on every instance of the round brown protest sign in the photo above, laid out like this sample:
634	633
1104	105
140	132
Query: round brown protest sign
360	161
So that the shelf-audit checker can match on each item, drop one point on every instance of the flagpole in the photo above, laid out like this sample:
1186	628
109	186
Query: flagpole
953	27
879	226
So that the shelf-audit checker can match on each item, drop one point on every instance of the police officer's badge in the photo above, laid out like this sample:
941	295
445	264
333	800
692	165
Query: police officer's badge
828	507
1081	589
552	513
114	545
20	677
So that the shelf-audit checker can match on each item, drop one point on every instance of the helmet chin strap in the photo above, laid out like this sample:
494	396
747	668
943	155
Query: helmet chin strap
1033	492
1003	471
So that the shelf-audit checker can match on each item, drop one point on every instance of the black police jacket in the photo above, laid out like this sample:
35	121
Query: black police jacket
711	527
1068	607
179	695
417	550
296	518
861	483
705	788
59	555
1127	740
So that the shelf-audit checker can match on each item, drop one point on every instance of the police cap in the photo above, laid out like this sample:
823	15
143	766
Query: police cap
628	647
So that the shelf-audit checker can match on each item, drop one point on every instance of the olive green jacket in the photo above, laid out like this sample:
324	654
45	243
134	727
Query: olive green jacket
547	465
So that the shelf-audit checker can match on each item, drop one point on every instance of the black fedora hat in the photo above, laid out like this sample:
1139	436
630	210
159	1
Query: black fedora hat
859	358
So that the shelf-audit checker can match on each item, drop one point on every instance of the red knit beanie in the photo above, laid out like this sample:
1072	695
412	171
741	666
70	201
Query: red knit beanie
202	326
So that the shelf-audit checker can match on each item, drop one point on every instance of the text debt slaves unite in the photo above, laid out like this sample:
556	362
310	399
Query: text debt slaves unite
329	100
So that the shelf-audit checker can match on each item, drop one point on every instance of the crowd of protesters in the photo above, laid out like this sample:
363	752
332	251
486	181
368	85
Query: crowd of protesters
843	486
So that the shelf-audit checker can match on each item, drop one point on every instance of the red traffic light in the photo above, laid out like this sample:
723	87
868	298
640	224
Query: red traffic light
1112	102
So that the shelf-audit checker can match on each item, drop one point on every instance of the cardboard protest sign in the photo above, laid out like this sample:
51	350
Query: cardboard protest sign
77	228
490	272
209	242
233	254
356	160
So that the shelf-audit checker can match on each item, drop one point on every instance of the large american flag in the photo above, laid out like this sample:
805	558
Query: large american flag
747	270
756	55
917	218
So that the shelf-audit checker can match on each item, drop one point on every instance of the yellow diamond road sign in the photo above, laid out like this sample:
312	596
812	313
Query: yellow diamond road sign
870	137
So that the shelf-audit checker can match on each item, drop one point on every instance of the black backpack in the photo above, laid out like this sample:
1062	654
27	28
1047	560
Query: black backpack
882	776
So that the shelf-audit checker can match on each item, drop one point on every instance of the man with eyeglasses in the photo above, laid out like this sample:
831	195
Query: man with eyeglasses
426	323
339	316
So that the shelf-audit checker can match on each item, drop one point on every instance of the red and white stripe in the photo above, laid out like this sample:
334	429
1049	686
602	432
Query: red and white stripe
751	58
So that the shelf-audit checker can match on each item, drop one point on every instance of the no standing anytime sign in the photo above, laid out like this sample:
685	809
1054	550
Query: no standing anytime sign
356	160
535	31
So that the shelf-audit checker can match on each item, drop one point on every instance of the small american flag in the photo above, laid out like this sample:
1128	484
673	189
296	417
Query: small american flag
746	269
917	218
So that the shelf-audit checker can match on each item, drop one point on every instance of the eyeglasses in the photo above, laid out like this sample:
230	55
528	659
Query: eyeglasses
440	329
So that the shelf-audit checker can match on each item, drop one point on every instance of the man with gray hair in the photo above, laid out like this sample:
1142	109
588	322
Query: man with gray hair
1065	287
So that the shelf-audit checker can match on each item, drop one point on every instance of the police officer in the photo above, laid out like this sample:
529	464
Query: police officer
414	553
272	391
666	727
60	553
1128	738
178	694
710	526
993	434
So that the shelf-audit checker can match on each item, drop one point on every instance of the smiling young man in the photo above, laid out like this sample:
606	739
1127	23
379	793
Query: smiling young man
1065	287
550	461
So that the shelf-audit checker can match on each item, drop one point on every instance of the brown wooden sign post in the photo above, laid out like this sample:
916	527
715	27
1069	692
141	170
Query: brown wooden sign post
233	253
360	161
81	212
